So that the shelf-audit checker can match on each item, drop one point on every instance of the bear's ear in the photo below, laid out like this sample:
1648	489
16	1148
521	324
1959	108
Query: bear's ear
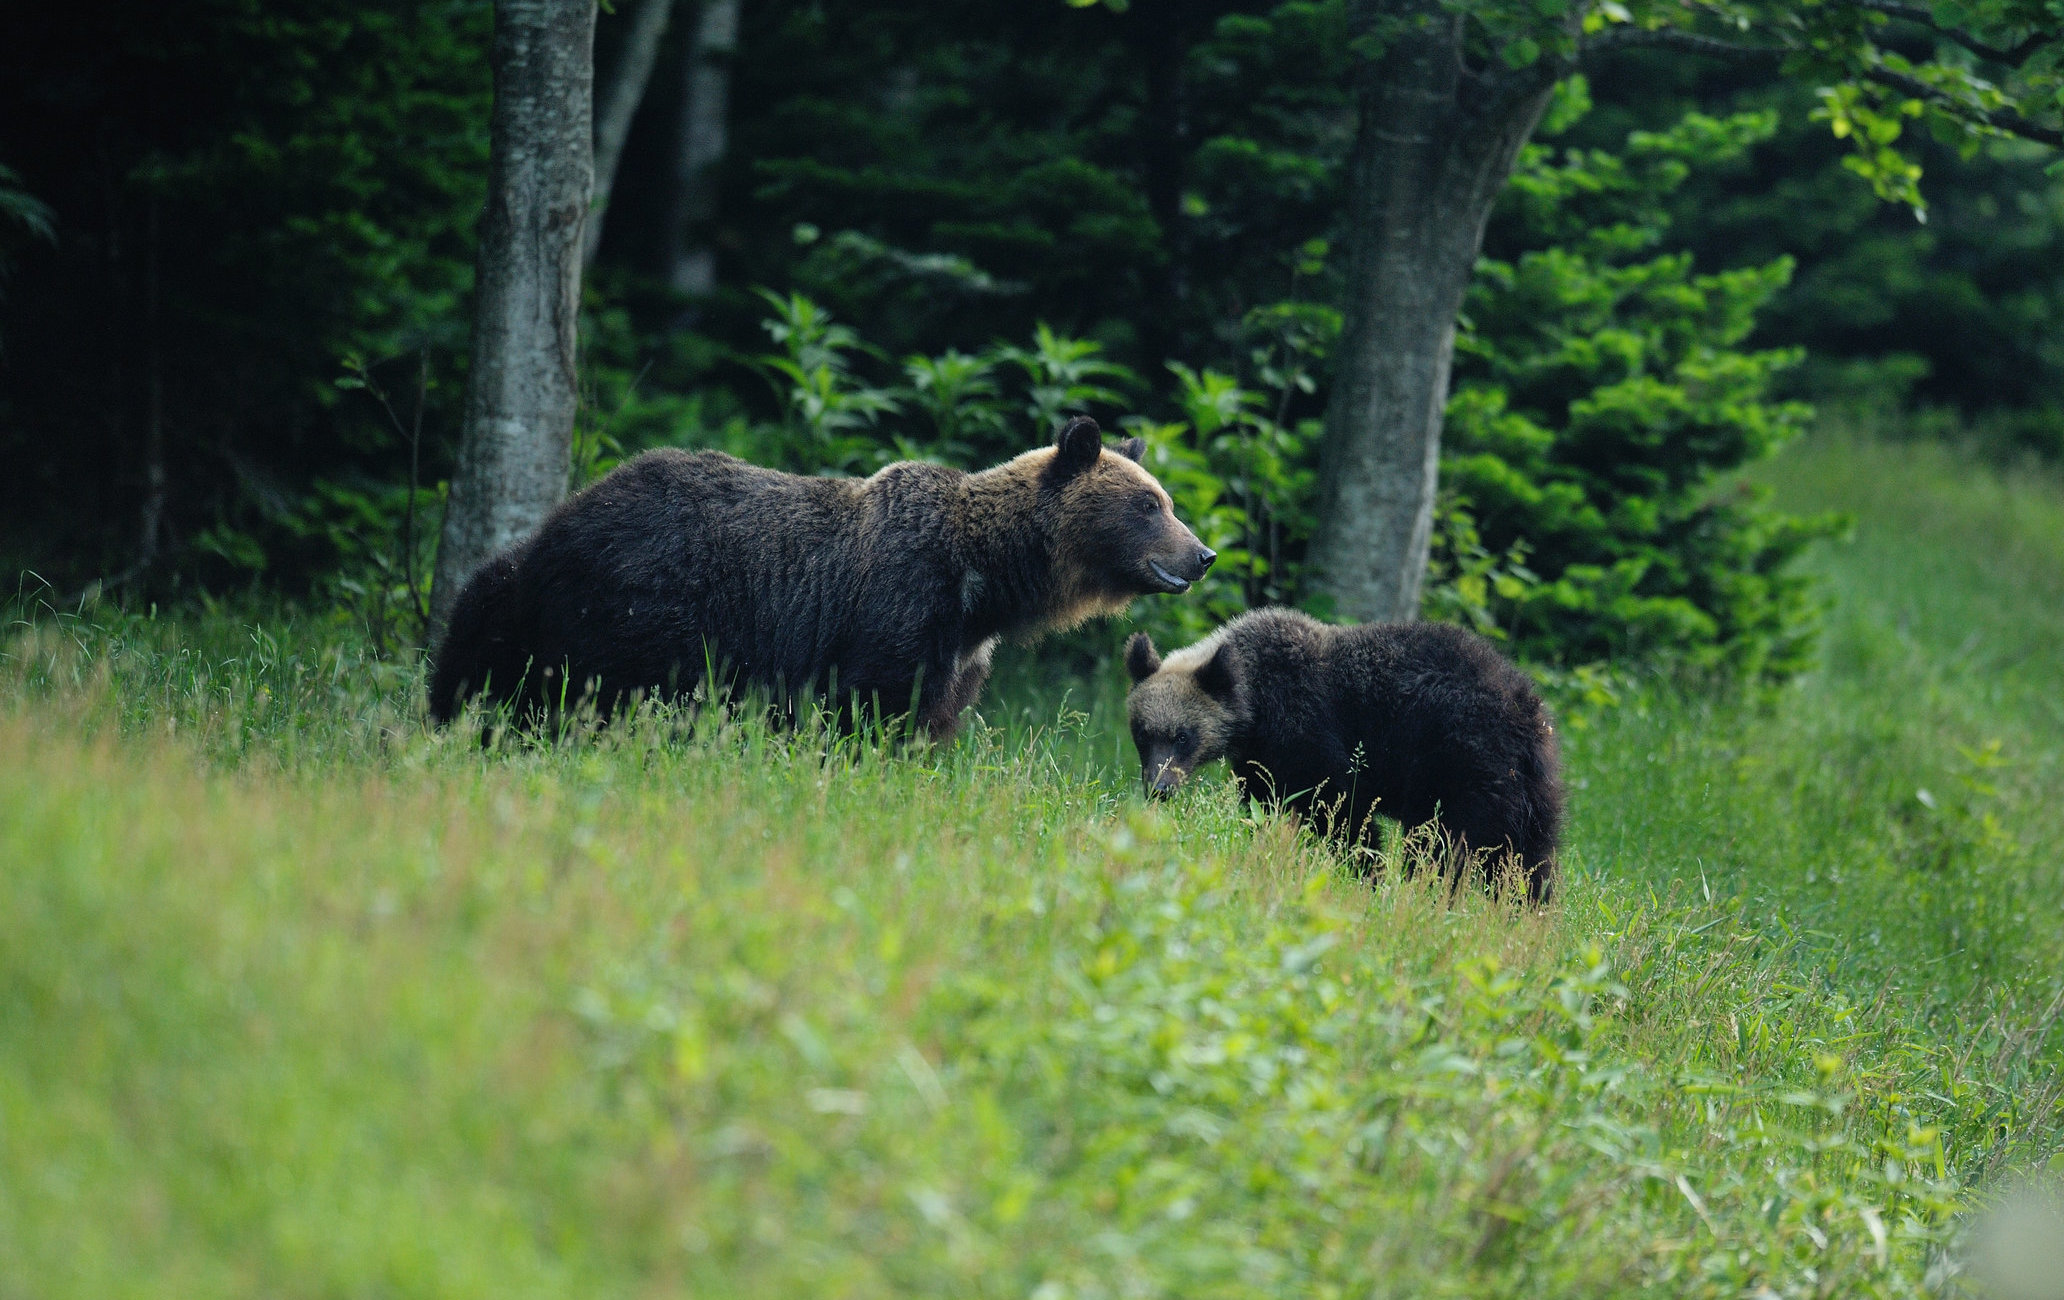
1141	659
1215	678
1132	449
1078	445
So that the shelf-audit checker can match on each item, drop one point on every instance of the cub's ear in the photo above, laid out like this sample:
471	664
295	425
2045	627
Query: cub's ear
1132	449
1078	445
1141	659
1215	678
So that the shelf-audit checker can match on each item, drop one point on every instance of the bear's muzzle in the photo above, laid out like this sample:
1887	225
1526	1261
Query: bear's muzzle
1179	574
1162	775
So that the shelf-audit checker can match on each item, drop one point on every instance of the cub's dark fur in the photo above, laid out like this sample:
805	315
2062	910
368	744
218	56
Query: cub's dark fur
891	589
1342	722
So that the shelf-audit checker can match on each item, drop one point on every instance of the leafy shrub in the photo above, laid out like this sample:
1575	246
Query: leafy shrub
827	411
1243	474
1601	395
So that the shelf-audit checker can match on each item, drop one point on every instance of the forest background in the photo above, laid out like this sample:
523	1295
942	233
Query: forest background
233	341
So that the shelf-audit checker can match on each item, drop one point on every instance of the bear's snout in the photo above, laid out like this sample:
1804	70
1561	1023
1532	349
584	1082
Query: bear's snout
1162	775
1175	573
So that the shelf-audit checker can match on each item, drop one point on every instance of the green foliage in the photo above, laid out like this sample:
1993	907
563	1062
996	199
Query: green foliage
1242	475
1124	193
288	183
1063	375
23	210
1601	395
960	394
22	215
381	549
933	174
1957	311
1876	70
365	138
833	411
827	410
1603	390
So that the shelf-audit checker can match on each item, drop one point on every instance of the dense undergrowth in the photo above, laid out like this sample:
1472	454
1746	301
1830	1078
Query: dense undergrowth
298	998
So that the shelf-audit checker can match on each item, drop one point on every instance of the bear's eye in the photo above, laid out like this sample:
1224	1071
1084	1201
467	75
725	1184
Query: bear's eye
1187	740
1147	503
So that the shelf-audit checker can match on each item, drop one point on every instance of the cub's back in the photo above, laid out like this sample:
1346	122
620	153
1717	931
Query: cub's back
1445	690
1435	668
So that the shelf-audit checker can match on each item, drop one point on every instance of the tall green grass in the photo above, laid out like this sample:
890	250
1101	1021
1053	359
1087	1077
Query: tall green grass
1900	806
298	998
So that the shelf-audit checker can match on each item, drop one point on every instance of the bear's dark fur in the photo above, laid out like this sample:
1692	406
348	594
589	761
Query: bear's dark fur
1400	719
890	590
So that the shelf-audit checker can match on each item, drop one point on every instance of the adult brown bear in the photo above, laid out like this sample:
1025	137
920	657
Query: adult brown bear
890	590
1410	720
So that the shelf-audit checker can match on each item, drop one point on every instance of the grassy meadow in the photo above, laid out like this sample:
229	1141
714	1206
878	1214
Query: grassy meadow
298	998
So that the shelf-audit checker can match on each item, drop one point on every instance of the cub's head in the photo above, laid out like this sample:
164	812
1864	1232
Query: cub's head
1113	528
1182	709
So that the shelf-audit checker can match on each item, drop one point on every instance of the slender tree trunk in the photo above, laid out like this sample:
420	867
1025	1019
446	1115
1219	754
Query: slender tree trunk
152	524
1436	143
1163	45
617	104
521	394
705	131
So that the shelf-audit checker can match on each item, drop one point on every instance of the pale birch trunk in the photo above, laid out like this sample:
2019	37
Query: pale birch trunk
521	393
704	136
615	106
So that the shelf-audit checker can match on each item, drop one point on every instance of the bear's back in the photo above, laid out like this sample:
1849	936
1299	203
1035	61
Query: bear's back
677	557
669	498
1407	659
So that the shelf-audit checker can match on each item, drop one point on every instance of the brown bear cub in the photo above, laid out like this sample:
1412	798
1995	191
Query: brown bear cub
890	590
1408	720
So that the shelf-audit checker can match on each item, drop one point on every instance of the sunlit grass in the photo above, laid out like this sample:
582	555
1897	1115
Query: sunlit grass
297	997
1902	801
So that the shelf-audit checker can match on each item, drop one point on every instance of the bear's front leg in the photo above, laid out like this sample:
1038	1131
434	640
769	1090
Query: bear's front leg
970	672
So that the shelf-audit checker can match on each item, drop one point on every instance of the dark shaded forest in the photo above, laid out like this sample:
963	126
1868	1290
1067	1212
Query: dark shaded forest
239	242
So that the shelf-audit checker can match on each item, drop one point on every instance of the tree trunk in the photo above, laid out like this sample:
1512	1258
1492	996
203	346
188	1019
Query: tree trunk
152	524
1162	46
705	112
1436	143
618	104
521	395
